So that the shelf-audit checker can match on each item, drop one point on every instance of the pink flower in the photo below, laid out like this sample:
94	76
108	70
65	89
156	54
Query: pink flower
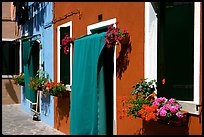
110	26
64	41
171	101
120	38
66	50
47	88
173	109
124	31
108	46
162	112
179	115
177	106
166	107
155	103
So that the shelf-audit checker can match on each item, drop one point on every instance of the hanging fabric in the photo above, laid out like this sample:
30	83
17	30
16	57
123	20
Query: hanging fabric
30	66
88	108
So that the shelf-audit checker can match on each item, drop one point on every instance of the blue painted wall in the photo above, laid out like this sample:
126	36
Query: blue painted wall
40	22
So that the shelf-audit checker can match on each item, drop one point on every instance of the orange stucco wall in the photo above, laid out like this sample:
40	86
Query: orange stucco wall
130	15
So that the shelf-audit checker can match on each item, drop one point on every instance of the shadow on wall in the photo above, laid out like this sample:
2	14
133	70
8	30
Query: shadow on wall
45	104
38	12
122	60
63	110
11	91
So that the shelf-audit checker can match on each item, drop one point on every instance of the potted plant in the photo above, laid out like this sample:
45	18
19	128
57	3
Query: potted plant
19	79
143	94
144	103
54	88
37	81
66	41
114	35
169	111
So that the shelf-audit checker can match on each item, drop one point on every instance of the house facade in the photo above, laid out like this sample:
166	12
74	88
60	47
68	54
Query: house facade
165	45
36	37
10	55
146	56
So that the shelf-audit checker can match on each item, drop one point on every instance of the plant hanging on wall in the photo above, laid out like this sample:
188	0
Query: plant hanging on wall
66	41
54	88
38	80
114	35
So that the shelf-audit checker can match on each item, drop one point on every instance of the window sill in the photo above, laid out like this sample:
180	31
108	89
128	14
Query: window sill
8	76
190	106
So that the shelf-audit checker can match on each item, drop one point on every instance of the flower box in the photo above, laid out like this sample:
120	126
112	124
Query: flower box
176	123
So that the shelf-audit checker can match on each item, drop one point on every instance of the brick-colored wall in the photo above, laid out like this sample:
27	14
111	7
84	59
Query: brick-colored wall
10	92
130	16
9	26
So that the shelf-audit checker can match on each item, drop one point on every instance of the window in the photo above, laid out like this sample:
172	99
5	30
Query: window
64	60
178	52
10	58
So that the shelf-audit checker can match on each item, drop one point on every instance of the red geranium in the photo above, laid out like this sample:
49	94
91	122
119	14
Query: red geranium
66	41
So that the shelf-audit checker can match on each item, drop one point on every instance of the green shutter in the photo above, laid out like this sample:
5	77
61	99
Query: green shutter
31	65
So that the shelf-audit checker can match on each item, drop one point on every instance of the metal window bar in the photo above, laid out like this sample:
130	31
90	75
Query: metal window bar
27	37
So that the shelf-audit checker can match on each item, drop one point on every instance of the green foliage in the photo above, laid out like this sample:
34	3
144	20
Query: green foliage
19	80
37	81
144	88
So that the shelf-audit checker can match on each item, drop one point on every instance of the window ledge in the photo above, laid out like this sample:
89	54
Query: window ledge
68	88
8	76
190	106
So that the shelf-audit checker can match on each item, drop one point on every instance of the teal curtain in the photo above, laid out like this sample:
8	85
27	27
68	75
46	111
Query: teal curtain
30	66
88	113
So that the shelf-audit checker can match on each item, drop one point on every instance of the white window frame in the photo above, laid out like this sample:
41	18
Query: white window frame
150	52
189	106
68	24
98	25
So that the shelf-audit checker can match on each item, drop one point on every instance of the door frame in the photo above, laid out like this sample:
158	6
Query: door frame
98	25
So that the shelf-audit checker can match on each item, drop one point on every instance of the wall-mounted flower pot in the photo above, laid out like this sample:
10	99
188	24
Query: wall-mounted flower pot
176	123
157	128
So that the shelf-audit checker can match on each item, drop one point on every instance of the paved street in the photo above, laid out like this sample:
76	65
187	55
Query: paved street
17	122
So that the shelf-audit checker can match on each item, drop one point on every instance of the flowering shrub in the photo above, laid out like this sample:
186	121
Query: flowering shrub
54	88
114	35
37	81
143	94
143	103
66	41
148	112
169	109
19	80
